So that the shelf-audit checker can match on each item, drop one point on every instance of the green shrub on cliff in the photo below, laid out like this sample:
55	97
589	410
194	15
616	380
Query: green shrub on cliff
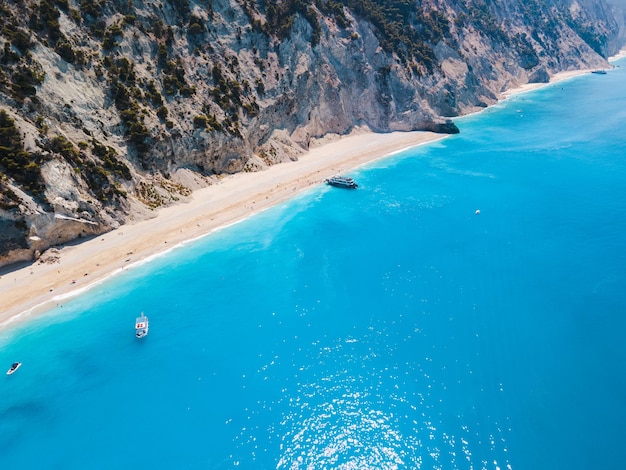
15	161
403	28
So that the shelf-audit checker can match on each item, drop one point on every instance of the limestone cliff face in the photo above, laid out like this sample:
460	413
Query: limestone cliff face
116	108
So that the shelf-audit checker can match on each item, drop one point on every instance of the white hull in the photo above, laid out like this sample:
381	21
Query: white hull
14	367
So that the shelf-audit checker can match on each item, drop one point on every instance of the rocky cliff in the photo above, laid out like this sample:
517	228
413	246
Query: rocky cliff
109	110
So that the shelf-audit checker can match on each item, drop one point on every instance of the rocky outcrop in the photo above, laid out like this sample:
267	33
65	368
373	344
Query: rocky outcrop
124	108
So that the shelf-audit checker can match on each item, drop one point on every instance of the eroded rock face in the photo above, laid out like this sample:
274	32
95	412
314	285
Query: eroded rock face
169	94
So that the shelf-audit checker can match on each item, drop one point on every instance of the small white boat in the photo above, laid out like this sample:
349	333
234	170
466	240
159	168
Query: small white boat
14	367
141	326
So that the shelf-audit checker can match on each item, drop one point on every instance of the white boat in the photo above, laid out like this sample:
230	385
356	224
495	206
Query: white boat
342	182
141	326
14	367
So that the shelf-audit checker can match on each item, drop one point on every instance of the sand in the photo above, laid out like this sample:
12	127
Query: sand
38	287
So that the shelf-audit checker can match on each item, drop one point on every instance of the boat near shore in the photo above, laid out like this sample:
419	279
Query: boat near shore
141	326
342	182
13	368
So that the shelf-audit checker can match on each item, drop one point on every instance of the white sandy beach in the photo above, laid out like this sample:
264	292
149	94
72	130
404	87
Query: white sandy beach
40	286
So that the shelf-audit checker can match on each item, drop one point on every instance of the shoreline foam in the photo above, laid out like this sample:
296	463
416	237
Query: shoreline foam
36	288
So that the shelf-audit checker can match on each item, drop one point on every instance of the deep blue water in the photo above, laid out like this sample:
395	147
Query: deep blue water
387	327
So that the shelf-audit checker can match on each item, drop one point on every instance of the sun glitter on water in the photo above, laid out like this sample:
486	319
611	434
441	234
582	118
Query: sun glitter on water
388	416
345	433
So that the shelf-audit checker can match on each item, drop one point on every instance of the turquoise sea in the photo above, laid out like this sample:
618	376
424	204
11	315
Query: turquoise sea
387	327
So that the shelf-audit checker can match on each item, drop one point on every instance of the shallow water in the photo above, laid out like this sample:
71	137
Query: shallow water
387	327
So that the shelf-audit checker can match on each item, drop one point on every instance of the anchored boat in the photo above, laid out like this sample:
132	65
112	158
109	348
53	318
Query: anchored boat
141	326
342	182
